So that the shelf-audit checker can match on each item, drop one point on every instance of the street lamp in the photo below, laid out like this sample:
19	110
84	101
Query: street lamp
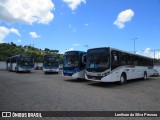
87	46
134	43
155	53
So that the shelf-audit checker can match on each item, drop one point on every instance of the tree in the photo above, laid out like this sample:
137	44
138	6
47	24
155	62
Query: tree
53	52
12	44
10	49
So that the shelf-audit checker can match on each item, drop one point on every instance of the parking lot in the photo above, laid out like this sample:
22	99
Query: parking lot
37	91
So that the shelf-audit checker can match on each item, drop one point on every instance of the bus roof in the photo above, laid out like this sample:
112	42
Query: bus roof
17	56
122	52
56	55
75	51
130	53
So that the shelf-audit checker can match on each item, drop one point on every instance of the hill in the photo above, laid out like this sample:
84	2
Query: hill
11	49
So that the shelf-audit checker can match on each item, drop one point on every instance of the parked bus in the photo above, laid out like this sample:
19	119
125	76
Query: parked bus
51	63
20	63
73	65
110	65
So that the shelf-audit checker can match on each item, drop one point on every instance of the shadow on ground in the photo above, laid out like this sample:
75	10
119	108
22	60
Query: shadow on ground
76	80
116	84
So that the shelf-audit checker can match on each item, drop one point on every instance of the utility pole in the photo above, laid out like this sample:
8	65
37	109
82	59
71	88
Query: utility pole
86	46
154	55
134	39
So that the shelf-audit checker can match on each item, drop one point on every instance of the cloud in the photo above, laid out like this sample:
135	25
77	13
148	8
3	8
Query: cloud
72	28
150	53
70	49
34	35
26	11
147	51
76	44
13	30
5	31
123	17
86	24
18	41
73	4
157	54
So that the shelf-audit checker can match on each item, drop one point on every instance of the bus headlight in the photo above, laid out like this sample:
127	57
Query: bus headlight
106	74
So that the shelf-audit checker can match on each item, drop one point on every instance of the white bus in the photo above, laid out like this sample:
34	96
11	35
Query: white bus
73	64
51	63
110	65
20	63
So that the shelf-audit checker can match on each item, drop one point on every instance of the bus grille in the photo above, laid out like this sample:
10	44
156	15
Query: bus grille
68	74
94	77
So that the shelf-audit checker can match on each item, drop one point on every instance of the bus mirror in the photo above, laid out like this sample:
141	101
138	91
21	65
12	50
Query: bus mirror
84	59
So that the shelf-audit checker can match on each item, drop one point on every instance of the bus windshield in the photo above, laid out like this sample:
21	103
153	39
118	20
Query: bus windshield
51	61
26	61
97	60
71	60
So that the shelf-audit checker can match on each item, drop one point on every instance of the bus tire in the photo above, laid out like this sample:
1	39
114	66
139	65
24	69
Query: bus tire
145	76
122	79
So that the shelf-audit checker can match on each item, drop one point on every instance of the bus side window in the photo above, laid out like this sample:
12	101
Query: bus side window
115	59
140	61
123	59
151	62
135	61
13	60
130	60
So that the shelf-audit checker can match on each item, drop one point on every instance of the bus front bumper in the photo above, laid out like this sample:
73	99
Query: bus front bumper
100	78
51	70
25	69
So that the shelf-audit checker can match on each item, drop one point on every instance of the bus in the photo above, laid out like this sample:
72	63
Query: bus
51	63
74	66
20	63
107	64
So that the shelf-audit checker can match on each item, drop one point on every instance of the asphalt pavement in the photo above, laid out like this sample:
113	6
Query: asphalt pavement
37	91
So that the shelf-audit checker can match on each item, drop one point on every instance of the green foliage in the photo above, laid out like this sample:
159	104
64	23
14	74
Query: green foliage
7	50
61	58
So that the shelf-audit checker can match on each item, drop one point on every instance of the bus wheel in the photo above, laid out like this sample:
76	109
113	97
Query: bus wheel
45	72
16	69
122	79
145	76
79	79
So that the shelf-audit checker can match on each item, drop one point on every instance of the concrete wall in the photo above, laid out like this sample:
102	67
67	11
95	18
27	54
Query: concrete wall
38	64
2	65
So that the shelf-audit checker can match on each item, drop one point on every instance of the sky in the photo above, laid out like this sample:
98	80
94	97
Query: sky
82	24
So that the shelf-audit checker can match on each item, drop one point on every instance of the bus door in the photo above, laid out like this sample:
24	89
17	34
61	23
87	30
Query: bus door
13	64
115	65
136	72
